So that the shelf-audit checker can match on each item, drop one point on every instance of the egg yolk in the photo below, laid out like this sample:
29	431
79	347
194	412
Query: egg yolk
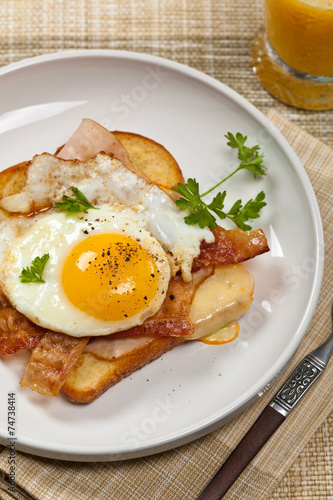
110	277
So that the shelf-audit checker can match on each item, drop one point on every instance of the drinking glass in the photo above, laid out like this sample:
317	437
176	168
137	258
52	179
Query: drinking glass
293	54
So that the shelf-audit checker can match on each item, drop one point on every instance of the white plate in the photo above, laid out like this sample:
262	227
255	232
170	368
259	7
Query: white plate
194	388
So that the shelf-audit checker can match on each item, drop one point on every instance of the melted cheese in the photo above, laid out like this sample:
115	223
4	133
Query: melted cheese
223	336
221	299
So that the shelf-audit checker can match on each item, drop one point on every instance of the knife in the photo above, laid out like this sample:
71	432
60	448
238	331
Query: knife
303	377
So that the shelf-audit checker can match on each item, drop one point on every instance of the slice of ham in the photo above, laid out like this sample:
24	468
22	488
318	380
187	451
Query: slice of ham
110	347
231	247
51	361
90	139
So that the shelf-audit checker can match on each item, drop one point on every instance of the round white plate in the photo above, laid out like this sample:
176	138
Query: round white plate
195	388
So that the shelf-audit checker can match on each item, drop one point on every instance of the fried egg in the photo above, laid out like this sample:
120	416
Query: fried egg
104	274
108	269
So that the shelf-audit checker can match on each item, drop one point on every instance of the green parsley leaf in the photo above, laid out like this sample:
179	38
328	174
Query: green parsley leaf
201	213
239	214
250	158
34	273
236	142
74	205
217	204
199	210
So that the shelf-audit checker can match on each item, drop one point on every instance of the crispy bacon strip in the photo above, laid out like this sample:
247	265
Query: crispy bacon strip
17	332
51	361
172	320
231	247
4	302
173	317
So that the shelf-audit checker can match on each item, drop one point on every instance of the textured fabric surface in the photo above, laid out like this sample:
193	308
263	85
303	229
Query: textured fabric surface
214	37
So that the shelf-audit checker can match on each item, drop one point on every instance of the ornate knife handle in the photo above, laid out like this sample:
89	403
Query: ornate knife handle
305	374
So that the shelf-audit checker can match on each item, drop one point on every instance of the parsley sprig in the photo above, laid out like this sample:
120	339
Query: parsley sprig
74	205
34	273
201	212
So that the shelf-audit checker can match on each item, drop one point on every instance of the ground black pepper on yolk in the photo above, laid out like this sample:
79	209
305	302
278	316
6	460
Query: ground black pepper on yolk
110	276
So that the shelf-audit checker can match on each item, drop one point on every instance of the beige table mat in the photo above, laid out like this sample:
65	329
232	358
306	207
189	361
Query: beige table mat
183	473
215	37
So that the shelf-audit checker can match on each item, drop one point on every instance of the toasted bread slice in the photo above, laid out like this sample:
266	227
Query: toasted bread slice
91	376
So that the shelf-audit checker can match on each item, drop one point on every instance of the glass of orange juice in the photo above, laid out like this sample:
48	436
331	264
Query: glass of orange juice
293	53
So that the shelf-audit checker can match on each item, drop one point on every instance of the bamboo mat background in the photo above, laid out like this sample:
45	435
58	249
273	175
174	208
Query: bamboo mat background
213	36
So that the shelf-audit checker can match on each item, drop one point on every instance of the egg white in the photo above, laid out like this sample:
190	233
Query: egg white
125	201
106	182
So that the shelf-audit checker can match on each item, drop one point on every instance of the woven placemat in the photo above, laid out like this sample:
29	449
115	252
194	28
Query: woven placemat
311	475
212	36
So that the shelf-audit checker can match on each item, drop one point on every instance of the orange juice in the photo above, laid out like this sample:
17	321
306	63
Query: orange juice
301	33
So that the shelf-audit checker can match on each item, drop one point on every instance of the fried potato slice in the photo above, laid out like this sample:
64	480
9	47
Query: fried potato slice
13	179
151	158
